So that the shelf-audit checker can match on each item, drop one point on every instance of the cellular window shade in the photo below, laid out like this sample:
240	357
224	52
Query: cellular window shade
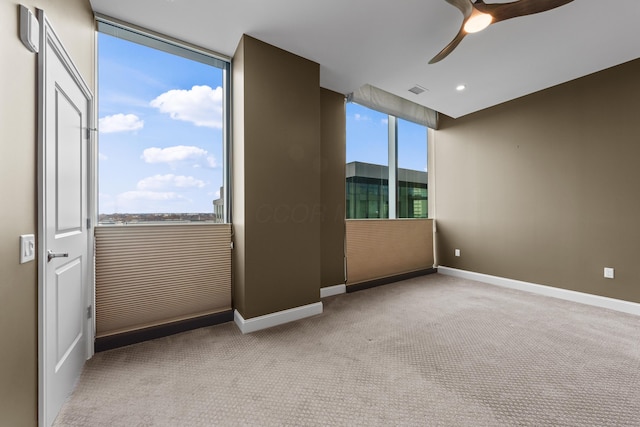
379	248
388	103
153	275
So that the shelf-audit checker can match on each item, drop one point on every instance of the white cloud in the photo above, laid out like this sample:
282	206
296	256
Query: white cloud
361	117
150	196
162	182
179	154
384	121
102	157
200	105
120	123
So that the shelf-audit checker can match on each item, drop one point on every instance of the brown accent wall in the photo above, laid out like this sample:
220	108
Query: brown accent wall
277	206
237	177
333	151
545	188
73	21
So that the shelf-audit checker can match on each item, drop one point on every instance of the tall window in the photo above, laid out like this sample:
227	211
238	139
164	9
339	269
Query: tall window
162	131
367	163
412	170
374	142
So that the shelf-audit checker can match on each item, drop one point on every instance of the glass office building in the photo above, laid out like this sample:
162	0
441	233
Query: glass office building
368	192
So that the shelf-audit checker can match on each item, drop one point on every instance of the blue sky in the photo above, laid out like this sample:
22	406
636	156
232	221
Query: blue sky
160	123
367	139
160	132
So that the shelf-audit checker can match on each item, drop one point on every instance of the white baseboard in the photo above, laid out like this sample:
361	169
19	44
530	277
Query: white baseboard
332	290
565	294
274	319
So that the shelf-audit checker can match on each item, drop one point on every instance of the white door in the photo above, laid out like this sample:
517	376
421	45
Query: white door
65	333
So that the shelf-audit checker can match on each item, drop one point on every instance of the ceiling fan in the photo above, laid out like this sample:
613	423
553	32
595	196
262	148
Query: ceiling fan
478	15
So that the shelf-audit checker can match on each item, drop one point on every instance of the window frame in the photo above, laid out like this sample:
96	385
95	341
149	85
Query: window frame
154	40
393	183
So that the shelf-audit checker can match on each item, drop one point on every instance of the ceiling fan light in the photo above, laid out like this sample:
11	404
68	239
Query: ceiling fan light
478	21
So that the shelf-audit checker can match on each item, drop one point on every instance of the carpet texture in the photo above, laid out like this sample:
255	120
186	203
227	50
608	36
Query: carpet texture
430	351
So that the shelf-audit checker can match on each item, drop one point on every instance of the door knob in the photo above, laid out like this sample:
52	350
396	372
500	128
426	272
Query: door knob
51	255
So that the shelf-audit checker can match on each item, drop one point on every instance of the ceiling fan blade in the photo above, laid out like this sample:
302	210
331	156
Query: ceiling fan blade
449	48
499	12
465	6
503	11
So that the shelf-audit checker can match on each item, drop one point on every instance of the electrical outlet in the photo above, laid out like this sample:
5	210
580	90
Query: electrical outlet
608	273
457	252
27	248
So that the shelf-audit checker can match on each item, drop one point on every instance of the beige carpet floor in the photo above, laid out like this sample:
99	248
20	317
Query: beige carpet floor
430	351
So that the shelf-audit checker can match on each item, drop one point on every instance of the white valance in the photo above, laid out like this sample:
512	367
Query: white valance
385	102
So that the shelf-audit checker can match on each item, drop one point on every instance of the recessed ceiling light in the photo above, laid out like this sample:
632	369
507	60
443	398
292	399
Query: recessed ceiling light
460	88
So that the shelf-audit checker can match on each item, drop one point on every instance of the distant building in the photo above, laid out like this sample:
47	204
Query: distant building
218	207
368	192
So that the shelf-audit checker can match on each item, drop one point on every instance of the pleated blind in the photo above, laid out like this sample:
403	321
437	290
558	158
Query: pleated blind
378	248
148	275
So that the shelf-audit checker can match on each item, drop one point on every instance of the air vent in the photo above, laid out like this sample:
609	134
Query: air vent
417	89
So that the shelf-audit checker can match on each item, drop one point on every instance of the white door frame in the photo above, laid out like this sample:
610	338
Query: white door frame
49	37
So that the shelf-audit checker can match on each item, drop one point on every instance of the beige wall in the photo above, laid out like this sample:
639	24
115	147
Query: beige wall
276	194
545	188
73	20
333	150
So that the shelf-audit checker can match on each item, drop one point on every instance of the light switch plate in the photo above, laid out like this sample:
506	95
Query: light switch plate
27	248
457	252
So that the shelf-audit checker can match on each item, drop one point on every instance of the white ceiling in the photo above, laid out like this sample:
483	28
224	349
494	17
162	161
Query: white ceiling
388	43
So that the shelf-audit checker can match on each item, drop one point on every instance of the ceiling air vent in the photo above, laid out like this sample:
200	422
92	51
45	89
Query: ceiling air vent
417	89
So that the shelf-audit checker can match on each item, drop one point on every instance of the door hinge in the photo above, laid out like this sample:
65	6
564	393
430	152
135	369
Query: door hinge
88	223
89	312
